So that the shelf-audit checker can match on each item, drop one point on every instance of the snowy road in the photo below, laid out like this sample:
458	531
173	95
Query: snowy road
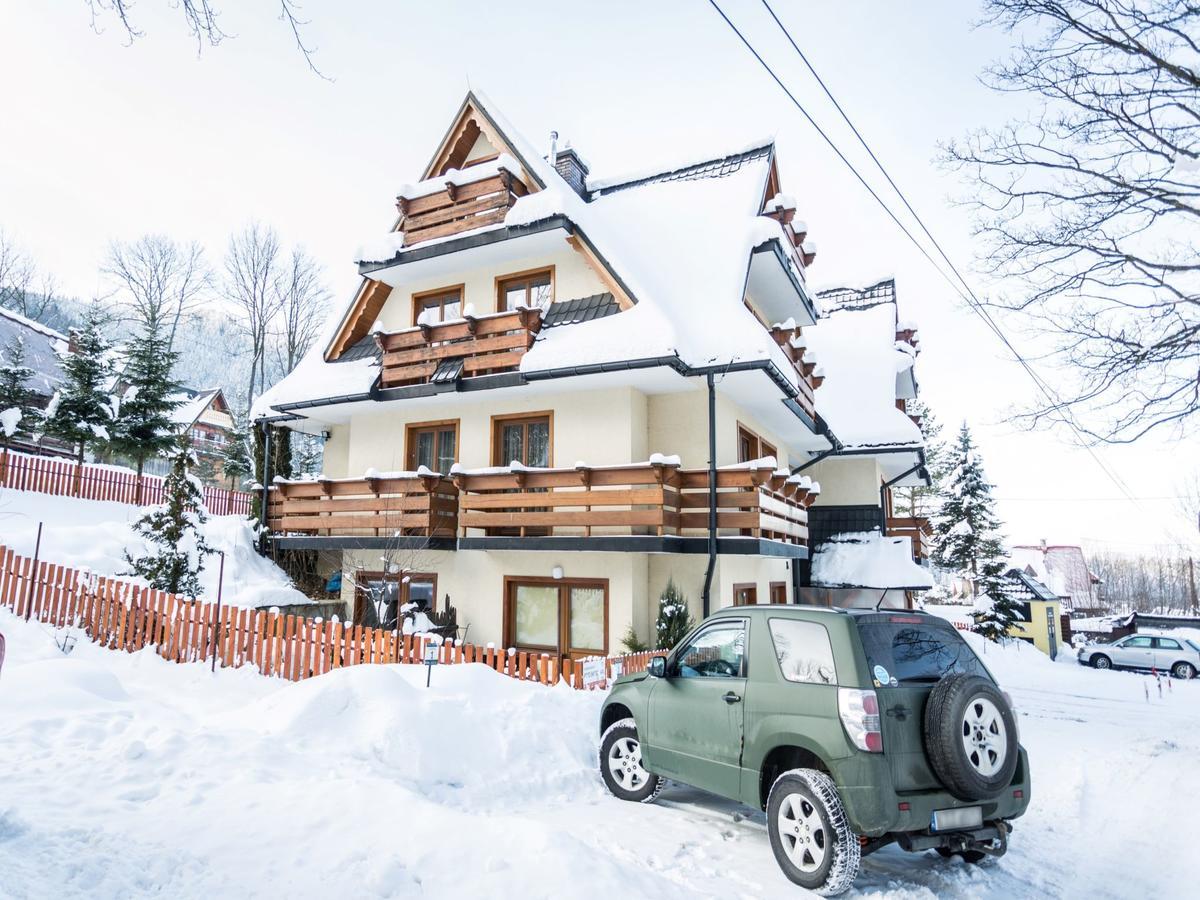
123	776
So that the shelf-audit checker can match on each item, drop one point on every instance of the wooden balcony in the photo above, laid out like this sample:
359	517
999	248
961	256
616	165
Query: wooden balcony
423	506
462	347
647	499
808	380
458	204
917	528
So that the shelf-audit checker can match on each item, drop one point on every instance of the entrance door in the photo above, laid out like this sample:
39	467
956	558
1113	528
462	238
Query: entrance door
564	617
696	711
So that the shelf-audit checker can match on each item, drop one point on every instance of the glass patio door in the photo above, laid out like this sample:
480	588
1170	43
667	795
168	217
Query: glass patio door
568	619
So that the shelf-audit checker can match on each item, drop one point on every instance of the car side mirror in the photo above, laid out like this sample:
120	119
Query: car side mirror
657	667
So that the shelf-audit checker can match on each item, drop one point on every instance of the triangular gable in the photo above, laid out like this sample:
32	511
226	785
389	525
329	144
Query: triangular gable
472	137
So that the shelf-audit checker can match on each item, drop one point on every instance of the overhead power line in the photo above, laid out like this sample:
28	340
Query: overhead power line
965	292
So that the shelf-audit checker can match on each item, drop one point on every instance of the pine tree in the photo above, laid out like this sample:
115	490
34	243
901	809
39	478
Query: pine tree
18	412
235	456
922	501
674	619
173	531
967	539
81	412
143	426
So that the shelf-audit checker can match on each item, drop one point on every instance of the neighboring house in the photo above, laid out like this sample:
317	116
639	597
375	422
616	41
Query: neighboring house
205	417
1039	611
520	400
1063	569
44	349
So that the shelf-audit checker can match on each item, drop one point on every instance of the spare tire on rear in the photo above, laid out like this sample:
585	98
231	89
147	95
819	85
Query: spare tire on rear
971	737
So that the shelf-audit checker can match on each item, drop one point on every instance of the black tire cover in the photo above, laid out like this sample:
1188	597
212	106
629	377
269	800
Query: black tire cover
944	727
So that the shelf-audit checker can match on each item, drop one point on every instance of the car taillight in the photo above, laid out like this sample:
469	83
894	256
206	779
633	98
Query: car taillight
860	717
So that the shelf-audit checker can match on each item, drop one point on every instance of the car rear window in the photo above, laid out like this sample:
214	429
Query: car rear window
914	650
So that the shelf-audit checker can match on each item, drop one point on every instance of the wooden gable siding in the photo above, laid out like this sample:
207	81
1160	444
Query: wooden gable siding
365	309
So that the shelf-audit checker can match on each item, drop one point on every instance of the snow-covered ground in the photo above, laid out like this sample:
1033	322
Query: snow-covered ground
95	534
126	776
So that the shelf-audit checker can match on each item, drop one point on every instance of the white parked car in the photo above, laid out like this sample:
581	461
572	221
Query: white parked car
1176	655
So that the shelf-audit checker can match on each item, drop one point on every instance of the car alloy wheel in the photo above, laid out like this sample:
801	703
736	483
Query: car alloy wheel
984	737
625	764
1101	662
1184	670
804	837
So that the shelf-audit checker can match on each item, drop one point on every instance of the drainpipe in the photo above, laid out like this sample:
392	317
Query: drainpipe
266	483
712	492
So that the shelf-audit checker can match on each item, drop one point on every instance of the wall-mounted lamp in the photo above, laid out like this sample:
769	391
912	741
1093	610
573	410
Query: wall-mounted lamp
556	573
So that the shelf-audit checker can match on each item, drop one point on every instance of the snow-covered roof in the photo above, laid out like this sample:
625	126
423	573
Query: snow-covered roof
858	349
192	406
1060	567
681	245
867	559
44	348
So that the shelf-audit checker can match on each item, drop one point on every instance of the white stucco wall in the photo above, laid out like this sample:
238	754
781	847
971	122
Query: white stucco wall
847	481
573	278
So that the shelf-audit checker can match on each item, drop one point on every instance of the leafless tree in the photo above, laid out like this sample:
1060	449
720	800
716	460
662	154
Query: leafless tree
201	17
159	282
1091	204
303	301
252	281
17	273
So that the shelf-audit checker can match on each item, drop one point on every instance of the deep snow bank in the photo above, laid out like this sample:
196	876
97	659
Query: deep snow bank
95	534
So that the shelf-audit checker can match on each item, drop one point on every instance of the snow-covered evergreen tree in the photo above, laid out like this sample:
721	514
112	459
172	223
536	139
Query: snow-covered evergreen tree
176	546
967	537
308	454
81	411
18	412
674	620
923	501
235	456
143	426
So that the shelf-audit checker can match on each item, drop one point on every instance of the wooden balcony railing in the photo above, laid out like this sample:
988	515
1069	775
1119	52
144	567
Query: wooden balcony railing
648	499
458	205
390	505
470	346
916	527
807	378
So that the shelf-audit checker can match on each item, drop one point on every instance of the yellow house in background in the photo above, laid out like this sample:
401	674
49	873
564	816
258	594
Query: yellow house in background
1039	612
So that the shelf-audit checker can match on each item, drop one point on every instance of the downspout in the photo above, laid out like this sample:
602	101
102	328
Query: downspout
266	483
712	492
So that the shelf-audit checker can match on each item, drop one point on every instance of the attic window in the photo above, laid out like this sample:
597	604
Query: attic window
534	289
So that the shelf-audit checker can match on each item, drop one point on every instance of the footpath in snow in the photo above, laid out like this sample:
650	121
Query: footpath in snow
124	776
95	534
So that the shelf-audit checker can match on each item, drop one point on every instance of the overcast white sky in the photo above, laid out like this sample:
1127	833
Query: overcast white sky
101	140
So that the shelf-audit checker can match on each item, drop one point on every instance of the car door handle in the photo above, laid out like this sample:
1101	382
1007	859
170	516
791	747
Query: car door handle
731	697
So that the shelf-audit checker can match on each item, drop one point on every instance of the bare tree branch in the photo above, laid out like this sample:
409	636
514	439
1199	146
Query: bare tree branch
158	281
1092	205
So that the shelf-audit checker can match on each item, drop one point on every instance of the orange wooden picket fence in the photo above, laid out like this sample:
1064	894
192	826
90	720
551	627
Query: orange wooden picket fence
64	478
120	615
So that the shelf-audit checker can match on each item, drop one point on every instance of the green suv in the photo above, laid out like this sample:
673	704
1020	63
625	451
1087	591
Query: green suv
850	728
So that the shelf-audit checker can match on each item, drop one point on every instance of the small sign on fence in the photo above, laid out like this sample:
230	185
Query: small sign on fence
594	672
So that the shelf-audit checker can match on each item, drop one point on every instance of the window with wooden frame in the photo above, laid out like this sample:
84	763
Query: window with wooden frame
750	446
565	616
378	596
431	444
431	307
533	288
745	594
527	439
779	592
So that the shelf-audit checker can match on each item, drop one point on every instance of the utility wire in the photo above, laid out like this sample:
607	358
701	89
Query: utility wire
969	296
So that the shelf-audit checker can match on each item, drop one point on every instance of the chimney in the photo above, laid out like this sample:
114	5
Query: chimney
572	168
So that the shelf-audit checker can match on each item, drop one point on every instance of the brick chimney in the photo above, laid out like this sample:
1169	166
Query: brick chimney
572	168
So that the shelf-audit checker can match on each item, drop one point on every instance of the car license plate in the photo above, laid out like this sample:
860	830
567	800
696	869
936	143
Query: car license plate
957	819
